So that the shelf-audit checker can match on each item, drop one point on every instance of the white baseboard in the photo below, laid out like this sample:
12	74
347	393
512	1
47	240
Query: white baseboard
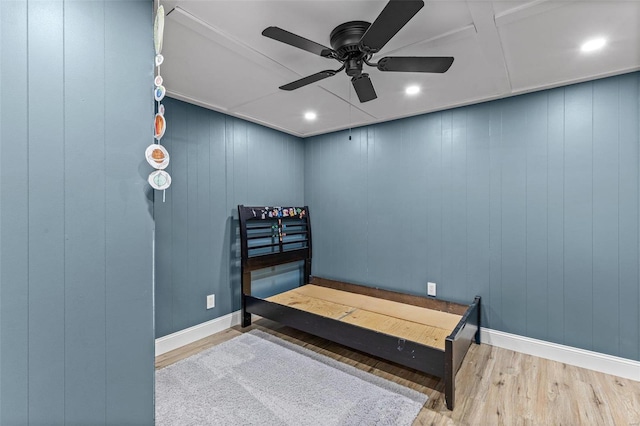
608	364
189	335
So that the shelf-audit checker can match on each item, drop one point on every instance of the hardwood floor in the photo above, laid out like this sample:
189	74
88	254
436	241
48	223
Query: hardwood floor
493	387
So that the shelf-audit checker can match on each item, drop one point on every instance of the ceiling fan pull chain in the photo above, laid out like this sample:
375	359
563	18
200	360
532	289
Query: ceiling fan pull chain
350	106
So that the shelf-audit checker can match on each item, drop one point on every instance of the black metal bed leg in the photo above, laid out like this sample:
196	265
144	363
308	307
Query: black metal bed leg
246	319
449	375
449	395
479	308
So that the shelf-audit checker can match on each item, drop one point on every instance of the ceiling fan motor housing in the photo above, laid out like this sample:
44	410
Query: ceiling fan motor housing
345	40
346	37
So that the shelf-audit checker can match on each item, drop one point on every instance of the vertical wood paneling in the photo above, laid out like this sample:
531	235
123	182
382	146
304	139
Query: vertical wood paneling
229	162
433	194
298	175
478	203
240	188
402	169
192	283
204	276
349	202
578	216
385	198
494	305
180	203
334	145
14	208
457	285
130	347
605	213
217	162
376	202
162	212
258	153
317	198
221	228
531	201
85	316
536	216
46	213
446	223
514	215
555	216
233	262
76	315
629	226
416	226
330	200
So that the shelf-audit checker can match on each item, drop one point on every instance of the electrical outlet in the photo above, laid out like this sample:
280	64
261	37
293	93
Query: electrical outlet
211	301
431	289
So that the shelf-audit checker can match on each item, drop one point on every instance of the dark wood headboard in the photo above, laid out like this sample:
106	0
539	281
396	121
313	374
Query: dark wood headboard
271	236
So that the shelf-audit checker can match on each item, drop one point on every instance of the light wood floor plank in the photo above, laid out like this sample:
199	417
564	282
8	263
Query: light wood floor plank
493	387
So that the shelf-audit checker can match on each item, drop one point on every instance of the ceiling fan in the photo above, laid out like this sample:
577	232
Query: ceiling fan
354	43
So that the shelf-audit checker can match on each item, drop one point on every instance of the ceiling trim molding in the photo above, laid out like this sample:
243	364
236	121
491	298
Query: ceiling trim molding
227	41
527	10
563	83
190	100
475	101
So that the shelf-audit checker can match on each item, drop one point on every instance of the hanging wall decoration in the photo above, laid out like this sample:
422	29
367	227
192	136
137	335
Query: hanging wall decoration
157	155
159	179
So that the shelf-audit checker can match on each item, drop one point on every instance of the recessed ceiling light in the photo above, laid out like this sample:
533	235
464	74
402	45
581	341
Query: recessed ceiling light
310	115
593	44
412	90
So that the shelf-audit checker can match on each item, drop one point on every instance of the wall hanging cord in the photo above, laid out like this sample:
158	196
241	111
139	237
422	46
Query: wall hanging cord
157	156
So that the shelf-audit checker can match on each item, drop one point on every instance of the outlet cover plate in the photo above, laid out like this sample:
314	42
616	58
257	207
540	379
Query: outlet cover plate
431	289
211	301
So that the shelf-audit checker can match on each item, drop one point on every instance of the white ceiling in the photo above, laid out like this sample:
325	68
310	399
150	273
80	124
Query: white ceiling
216	57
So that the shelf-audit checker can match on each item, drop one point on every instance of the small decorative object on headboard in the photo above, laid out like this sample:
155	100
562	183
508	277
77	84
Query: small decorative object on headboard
271	236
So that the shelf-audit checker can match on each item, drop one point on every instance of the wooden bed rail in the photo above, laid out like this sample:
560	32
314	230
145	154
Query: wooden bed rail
456	347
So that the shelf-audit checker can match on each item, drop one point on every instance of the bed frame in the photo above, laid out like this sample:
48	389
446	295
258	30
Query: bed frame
272	236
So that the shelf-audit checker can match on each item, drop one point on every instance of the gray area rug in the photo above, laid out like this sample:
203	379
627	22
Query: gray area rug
259	379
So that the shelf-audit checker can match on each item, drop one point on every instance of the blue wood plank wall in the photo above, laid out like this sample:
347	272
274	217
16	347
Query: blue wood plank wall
76	225
217	162
530	201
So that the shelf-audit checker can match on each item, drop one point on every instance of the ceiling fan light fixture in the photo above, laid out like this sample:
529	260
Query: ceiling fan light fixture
310	115
593	44
412	90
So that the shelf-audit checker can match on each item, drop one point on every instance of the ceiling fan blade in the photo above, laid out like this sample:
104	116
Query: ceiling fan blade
296	41
364	88
308	80
393	17
437	64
